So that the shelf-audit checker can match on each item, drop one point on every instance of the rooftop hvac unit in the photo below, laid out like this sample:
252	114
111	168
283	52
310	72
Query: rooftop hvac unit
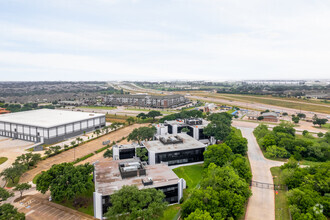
130	168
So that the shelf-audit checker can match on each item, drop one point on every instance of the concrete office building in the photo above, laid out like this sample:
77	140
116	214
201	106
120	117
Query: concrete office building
168	101
111	176
174	149
195	125
121	152
47	126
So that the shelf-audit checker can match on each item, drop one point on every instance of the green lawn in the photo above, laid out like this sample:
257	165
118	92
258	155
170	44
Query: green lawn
170	212
281	203
3	159
193	175
98	107
34	181
309	163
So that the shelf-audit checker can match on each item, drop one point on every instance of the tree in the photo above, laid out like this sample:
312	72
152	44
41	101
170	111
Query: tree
260	118
65	180
320	134
11	173
153	114
320	121
142	134
241	165
305	133
295	119
142	115
97	132
185	130
108	153
237	144
9	212
130	120
131	203
4	194
142	153
22	187
301	115
73	143
284	113
28	159
199	215
218	154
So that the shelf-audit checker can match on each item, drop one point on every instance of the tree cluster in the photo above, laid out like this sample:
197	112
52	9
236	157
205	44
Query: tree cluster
65	181
182	115
9	212
224	188
152	114
131	203
282	142
142	134
309	190
219	126
319	121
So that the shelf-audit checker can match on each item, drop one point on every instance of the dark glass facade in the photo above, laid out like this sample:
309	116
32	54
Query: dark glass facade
126	153
181	157
170	129
171	193
190	132
202	135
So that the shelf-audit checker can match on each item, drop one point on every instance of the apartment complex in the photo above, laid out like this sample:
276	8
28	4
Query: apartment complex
168	101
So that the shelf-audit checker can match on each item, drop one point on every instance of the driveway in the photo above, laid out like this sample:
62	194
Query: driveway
261	204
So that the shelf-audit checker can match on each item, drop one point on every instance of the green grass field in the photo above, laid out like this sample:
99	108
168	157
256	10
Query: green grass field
3	159
281	203
98	107
193	175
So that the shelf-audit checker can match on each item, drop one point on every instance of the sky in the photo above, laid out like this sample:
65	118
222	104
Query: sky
217	40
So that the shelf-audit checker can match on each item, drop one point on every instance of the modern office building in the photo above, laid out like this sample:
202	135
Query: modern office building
174	149
194	125
168	101
127	151
111	176
47	126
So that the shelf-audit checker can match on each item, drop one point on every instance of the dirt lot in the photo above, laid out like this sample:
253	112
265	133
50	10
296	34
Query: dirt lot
82	150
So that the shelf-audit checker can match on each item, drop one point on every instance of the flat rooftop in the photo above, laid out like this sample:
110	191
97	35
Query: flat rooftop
181	122
186	143
46	118
108	178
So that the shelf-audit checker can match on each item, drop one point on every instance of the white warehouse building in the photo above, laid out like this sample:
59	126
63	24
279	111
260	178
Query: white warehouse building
47	126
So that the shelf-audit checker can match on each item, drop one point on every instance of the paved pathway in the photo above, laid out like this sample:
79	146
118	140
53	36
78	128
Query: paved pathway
261	205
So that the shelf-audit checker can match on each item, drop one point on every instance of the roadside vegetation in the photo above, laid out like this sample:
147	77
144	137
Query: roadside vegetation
3	159
308	195
98	107
283	142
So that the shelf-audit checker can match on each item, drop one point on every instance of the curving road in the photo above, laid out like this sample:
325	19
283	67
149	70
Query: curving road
261	205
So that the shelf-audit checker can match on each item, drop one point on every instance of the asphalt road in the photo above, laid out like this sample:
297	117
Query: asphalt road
261	205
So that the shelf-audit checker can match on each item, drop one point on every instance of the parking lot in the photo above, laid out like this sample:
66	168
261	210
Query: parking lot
36	208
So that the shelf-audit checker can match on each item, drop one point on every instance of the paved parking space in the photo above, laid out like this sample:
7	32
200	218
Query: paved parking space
39	209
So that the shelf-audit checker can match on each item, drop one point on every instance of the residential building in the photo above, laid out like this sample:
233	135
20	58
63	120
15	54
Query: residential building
168	101
270	116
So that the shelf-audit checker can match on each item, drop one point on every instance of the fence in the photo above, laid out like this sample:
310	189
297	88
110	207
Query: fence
268	186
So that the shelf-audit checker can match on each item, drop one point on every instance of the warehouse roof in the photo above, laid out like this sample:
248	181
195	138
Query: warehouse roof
46	118
178	142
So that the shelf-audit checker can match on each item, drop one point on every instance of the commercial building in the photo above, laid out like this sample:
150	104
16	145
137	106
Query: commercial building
168	101
174	149
270	116
111	176
121	152
47	126
194	125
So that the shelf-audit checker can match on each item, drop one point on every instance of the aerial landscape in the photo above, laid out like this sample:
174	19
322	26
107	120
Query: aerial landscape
164	110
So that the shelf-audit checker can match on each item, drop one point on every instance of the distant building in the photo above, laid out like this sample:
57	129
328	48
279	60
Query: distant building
4	111
270	116
168	101
111	176
47	126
